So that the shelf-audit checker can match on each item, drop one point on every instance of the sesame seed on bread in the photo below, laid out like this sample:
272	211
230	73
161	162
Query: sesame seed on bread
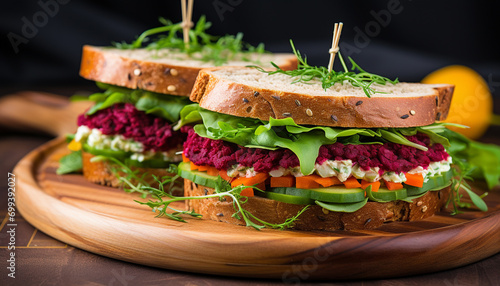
162	71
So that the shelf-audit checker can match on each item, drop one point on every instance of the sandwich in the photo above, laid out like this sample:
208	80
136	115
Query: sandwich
127	136
281	149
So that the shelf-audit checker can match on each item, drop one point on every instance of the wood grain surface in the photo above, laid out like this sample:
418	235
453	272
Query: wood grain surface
41	111
107	221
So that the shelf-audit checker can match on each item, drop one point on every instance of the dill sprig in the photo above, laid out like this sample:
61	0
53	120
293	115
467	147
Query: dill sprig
305	73
202	46
223	191
136	181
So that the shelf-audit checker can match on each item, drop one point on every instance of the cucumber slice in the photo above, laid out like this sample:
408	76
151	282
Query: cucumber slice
121	155
305	193
386	195
197	177
434	183
288	198
337	195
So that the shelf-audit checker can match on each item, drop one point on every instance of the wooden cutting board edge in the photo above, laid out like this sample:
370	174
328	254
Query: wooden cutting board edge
262	255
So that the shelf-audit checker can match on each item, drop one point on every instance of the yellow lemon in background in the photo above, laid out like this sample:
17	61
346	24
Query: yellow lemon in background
472	103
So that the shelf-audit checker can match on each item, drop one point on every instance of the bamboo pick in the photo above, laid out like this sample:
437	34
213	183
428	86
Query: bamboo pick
186	19
337	30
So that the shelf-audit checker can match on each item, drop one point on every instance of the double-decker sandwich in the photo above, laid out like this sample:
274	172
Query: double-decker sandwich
144	88
300	151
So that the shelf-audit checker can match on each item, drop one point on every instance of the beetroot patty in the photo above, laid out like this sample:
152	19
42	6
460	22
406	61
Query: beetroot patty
388	156
153	132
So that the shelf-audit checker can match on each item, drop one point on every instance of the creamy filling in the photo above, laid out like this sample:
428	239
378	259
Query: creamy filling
95	139
343	169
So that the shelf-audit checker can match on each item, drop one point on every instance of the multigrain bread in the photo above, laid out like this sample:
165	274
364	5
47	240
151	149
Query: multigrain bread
370	216
247	92
161	71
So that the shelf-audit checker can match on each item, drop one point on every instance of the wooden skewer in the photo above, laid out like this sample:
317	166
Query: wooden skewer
187	14
337	29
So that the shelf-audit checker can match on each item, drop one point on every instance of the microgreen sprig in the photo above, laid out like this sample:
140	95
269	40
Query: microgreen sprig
223	191
202	46
306	73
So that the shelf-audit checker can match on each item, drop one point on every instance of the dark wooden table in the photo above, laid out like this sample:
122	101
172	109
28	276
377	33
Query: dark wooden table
41	260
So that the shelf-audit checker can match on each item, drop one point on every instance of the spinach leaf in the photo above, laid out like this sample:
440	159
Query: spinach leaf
70	163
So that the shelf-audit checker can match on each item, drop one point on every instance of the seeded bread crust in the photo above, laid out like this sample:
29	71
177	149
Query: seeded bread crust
110	65
226	94
101	172
371	216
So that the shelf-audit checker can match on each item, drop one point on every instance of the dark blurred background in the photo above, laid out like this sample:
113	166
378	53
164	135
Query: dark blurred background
42	39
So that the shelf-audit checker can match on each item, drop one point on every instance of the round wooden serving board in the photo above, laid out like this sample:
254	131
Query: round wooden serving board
108	222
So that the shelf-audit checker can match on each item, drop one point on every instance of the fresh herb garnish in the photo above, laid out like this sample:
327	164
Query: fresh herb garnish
223	191
306	73
202	46
136	181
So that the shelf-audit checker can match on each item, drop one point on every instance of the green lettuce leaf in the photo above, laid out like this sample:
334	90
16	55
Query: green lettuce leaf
188	115
162	105
304	141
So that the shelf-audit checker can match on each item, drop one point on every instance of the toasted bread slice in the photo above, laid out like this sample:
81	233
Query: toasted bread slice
372	215
162	71
247	92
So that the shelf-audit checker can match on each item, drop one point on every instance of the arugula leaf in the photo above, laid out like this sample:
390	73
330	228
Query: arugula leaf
395	137
484	158
476	200
70	163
